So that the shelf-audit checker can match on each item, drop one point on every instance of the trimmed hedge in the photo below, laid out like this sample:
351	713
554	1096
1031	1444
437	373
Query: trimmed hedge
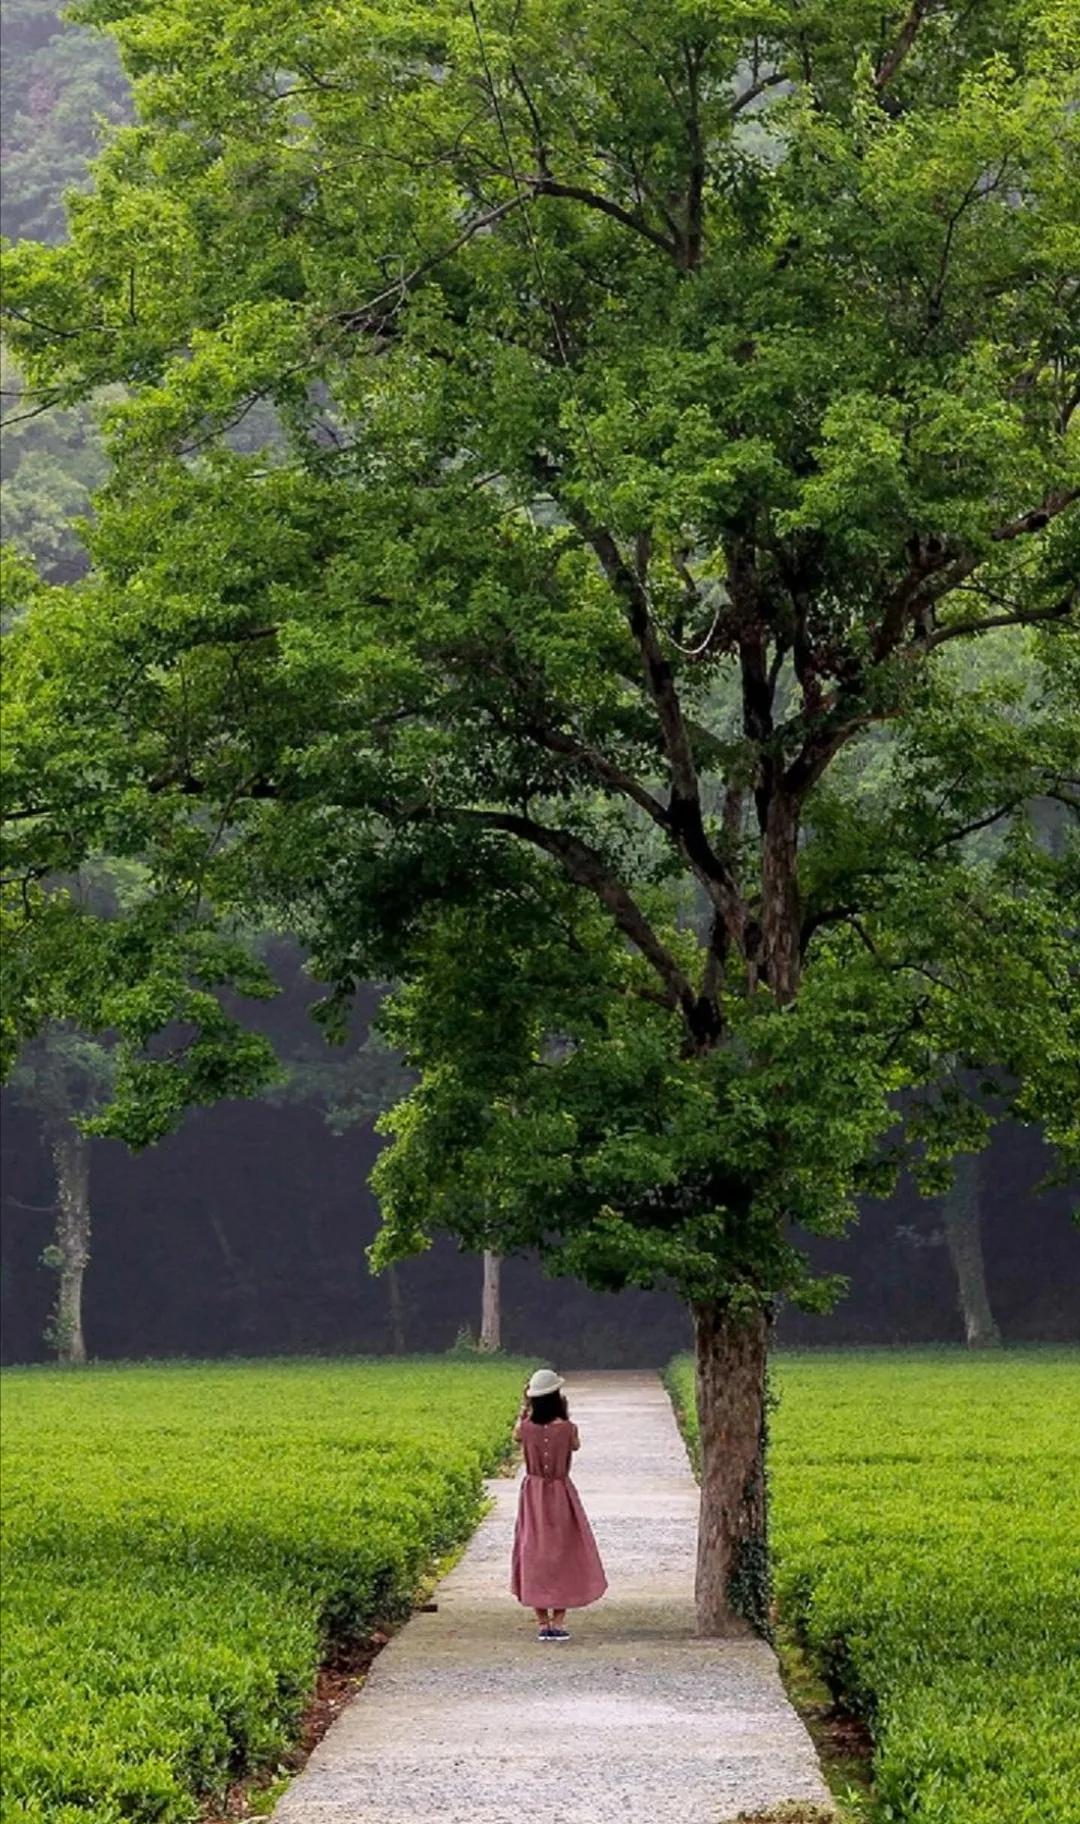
925	1510
181	1541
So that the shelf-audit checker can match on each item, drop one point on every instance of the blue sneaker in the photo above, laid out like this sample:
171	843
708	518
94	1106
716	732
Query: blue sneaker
546	1634
558	1634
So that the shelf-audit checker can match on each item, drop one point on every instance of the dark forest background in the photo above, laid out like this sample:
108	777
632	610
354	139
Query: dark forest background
245	1232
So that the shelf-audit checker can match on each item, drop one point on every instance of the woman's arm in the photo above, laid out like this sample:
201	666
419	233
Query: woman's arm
575	1437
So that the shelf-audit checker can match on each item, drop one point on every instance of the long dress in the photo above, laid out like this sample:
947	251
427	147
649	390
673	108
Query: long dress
555	1563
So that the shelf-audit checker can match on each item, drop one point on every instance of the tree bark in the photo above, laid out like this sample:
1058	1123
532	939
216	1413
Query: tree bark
964	1237
397	1310
732	1586
781	916
491	1308
71	1157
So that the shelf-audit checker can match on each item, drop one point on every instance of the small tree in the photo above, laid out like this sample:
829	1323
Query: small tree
491	1303
64	1077
960	1232
89	969
963	1237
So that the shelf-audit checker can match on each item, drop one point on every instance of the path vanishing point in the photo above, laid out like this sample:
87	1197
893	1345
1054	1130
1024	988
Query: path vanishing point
466	1718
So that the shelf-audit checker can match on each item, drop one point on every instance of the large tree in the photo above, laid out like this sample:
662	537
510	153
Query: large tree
633	358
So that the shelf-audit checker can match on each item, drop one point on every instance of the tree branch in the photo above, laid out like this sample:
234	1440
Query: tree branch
540	147
695	192
970	829
586	867
1023	617
816	921
543	184
631	591
937	566
893	58
559	743
684	811
713	975
756	88
1056	502
364	317
936	569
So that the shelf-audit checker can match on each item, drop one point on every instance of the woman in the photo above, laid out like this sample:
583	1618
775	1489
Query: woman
555	1564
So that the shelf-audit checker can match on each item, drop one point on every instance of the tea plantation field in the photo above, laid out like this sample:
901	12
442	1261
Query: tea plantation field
926	1525
180	1539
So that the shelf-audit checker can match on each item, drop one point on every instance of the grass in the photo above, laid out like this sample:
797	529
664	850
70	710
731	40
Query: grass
926	1530
183	1541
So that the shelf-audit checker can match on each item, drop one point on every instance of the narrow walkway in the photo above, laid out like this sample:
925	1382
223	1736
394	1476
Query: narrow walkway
467	1719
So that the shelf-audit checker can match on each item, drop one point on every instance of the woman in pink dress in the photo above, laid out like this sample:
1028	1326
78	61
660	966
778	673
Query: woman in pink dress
555	1564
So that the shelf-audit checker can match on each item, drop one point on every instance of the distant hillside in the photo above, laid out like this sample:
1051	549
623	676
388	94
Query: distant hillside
57	80
60	87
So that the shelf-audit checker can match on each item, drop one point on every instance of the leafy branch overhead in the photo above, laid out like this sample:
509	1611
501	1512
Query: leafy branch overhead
672	401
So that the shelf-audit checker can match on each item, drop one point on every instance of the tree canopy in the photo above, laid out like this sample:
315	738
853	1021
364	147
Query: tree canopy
672	395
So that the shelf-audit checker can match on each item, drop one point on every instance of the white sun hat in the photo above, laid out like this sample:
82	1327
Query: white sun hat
545	1380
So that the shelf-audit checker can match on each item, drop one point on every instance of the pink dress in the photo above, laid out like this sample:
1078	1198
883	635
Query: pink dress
555	1563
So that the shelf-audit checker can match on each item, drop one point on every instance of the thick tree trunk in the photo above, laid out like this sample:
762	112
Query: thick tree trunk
732	1588
490	1306
964	1237
397	1310
71	1157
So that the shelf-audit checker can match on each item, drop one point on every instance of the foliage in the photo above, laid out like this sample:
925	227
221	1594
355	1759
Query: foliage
597	1149
925	1526
62	1072
184	1539
147	980
351	1087
50	465
666	393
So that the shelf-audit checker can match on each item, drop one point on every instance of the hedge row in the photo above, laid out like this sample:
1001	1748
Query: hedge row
182	1540
926	1530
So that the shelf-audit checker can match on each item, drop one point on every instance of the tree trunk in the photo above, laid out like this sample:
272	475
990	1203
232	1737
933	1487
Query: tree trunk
781	917
71	1157
732	1587
964	1238
491	1309
397	1310
243	1289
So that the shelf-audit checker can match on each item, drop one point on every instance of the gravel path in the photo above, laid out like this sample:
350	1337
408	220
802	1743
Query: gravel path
467	1719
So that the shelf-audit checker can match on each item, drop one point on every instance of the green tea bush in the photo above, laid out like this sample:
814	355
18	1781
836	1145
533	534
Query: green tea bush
925	1511
180	1543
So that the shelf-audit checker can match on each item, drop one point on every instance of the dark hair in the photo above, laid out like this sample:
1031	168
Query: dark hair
547	1406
